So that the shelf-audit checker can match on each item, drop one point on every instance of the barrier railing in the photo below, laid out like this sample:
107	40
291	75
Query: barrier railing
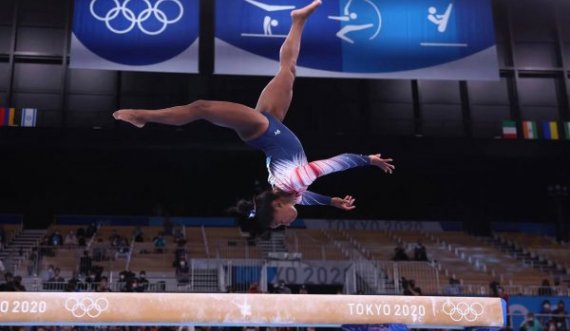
370	277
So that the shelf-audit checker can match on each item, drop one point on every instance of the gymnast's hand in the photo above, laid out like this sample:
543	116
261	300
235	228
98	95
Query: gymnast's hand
381	163
346	203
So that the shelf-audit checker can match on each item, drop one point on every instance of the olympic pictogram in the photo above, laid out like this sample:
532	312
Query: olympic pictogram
463	311
122	11
86	306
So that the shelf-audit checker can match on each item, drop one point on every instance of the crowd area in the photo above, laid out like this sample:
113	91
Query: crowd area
90	276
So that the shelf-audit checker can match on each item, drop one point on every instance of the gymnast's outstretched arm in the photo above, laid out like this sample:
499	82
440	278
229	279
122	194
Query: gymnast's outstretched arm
312	198
305	175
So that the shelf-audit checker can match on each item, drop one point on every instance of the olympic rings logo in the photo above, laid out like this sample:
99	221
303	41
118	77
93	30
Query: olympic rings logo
86	306
463	311
122	11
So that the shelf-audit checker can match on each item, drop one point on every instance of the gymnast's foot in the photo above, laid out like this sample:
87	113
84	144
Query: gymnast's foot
132	116
303	13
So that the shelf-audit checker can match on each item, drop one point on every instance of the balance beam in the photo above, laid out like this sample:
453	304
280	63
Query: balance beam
202	309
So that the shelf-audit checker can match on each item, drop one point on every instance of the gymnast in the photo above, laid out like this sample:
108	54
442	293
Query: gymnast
289	172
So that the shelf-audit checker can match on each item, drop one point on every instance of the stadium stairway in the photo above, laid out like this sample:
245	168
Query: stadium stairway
19	248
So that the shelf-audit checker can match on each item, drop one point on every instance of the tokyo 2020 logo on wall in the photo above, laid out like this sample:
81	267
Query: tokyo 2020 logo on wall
136	32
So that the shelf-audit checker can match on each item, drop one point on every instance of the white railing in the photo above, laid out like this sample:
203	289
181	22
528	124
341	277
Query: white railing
378	277
205	240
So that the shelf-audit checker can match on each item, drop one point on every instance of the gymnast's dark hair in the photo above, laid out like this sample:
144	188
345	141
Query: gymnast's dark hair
255	218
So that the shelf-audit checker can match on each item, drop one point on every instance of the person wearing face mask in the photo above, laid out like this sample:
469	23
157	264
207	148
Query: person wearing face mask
530	323
560	316
545	311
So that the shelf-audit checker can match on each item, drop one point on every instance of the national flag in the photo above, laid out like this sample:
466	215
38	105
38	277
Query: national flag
3	117
10	116
29	117
550	130
529	130
567	130
509	130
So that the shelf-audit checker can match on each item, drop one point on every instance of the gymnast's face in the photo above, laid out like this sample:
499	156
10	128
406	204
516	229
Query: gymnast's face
284	212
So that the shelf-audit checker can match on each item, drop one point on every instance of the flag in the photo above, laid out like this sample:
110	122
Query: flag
10	116
529	130
29	117
3	117
509	130
550	130
567	130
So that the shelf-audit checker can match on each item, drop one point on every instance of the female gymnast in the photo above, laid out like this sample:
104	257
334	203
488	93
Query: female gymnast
289	172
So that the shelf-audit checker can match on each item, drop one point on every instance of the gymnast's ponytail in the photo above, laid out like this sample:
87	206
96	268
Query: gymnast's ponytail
255	216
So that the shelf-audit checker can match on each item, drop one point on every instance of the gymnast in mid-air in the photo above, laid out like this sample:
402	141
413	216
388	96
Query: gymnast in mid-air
289	172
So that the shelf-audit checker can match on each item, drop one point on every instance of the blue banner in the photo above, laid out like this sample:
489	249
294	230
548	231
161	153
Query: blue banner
136	35
10	219
519	306
531	228
436	39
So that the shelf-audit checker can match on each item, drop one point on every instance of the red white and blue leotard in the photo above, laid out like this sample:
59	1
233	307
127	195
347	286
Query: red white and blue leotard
287	164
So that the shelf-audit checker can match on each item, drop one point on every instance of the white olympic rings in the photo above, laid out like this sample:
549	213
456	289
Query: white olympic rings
134	20
86	306
463	310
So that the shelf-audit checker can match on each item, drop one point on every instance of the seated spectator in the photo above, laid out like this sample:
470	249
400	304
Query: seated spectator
142	280
454	287
103	285
126	276
92	280
303	290
56	276
17	284
136	286
400	253
2	267
123	248
420	253
8	285
545	289
73	284
159	244
559	316
56	239
70	239
46	273
544	313
183	272
56	282
530	323
138	235
410	287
